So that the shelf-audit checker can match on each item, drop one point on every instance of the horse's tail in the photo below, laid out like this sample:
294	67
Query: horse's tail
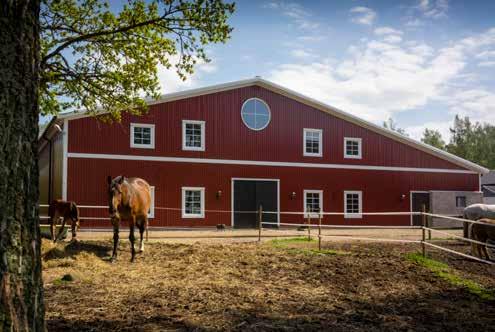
74	211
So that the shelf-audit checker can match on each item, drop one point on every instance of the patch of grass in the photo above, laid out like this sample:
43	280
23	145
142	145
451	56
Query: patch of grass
293	240
445	272
284	244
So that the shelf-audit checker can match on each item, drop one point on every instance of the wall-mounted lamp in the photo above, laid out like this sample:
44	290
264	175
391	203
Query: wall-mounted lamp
292	195
402	197
218	194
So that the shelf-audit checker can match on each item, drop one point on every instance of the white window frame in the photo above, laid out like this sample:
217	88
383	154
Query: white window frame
320	142
313	214
353	215
152	135
193	148
200	215
151	213
358	141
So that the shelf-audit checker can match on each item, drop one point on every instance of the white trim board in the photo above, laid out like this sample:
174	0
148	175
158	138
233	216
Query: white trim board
258	81
232	180
65	159
264	163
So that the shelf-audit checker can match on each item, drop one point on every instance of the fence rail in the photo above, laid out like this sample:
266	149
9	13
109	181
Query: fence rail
318	216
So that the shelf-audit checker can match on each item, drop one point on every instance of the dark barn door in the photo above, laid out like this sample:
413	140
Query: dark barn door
418	200
248	196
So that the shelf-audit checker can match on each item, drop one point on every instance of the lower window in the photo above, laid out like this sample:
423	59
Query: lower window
193	202
353	201
313	203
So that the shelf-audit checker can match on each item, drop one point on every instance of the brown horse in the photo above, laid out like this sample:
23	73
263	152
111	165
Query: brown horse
129	199
66	210
482	233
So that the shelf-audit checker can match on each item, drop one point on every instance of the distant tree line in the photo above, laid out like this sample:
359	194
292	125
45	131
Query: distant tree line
472	141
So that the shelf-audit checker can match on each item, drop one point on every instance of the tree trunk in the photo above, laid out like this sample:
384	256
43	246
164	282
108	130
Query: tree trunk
21	288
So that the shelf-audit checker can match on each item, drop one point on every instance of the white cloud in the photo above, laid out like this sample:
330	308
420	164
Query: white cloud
486	55
171	82
487	64
300	53
414	23
363	15
392	39
380	78
443	127
386	31
434	9
297	13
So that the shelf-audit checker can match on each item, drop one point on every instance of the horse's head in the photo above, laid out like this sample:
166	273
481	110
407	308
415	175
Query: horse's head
114	195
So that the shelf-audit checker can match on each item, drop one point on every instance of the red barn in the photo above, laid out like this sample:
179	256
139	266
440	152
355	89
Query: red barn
234	146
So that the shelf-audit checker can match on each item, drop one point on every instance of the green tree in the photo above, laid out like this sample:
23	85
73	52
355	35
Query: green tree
392	125
474	142
434	138
93	58
21	289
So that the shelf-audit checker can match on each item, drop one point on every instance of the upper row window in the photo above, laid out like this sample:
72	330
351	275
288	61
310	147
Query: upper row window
255	114
142	135
193	135
313	142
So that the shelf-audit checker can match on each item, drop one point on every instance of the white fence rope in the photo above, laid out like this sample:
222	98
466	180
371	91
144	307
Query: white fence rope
340	226
455	218
461	237
458	253
368	238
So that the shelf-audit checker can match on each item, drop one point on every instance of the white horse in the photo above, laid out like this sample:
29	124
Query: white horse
476	212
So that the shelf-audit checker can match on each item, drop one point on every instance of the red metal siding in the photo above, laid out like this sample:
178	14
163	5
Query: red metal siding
228	138
382	190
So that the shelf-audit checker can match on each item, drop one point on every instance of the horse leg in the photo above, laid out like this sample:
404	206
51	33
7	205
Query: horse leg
115	223
131	237
73	227
61	230
53	224
142	226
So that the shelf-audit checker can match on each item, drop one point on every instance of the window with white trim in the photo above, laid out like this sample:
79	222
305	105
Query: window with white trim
353	204
193	135
352	148
313	142
313	202
142	136
193	202
151	212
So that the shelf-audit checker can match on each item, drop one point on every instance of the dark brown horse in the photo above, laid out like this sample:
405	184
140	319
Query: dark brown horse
66	210
481	232
129	199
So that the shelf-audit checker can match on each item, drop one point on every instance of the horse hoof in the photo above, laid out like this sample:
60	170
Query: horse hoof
112	259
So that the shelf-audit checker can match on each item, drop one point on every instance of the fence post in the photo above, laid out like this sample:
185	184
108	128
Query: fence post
309	227
319	231
423	229
260	221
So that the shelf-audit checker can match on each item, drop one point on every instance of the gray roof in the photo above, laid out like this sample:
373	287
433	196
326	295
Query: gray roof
488	178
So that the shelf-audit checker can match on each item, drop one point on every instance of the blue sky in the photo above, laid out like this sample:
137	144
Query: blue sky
417	61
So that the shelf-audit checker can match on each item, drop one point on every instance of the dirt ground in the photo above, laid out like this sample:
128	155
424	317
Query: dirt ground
279	285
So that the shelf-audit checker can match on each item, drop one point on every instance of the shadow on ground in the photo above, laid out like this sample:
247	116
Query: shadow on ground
62	250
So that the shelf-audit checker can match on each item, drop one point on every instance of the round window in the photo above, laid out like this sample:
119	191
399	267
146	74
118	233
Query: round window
255	114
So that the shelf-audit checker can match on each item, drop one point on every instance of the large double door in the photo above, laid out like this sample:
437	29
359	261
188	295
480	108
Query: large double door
249	195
